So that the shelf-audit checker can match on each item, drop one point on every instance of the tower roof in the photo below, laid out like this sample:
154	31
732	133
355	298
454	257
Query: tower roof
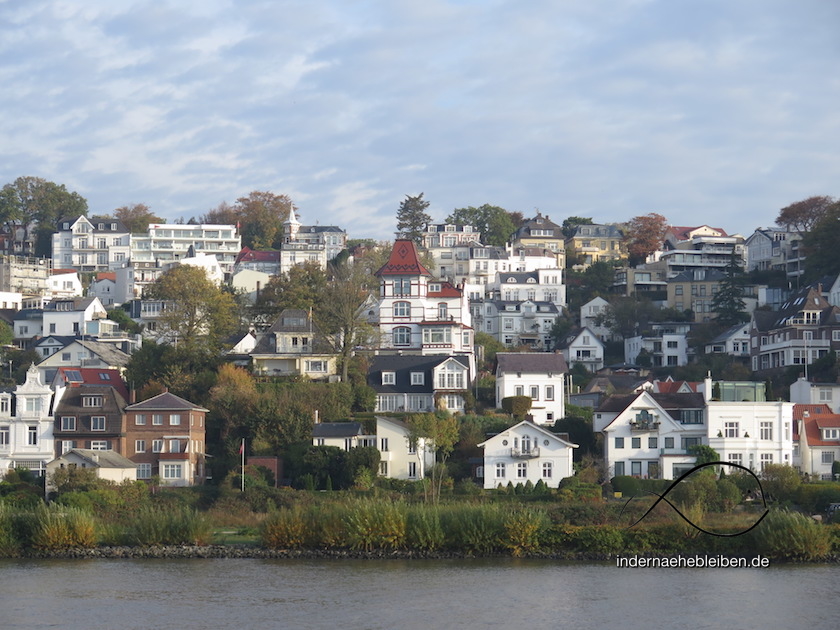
403	261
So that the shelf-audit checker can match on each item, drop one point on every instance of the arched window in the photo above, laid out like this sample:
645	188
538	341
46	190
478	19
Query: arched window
402	336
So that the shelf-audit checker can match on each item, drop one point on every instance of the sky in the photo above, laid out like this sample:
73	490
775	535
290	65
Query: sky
715	112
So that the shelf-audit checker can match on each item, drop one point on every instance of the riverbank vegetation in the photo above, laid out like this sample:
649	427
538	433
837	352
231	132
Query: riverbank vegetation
575	520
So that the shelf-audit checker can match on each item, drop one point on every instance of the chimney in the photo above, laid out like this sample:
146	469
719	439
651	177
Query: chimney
707	387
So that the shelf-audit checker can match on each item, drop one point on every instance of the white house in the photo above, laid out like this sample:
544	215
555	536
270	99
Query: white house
343	435
166	243
583	347
667	345
808	393
64	283
751	434
589	314
26	435
818	443
69	317
90	243
108	465
540	375
526	452
734	341
104	287
419	383
400	459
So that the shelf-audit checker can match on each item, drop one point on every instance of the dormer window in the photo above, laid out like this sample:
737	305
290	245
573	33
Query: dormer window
389	378
91	401
434	288
831	434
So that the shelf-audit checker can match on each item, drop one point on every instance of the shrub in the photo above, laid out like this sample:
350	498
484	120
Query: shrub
59	528
424	531
598	539
789	535
284	529
523	530
326	526
155	526
473	528
376	525
9	543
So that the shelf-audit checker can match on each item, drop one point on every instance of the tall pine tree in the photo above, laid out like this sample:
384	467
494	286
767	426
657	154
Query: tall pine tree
728	302
412	217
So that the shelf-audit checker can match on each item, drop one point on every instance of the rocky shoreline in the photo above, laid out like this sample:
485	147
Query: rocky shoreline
186	552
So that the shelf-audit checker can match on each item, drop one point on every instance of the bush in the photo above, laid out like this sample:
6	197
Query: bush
61	528
376	525
605	539
523	530
284	529
789	535
473	528
155	526
424	531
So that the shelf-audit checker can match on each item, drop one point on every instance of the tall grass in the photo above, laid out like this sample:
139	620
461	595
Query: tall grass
791	536
178	526
376	525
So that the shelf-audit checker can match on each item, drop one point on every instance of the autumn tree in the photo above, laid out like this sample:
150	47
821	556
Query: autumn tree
197	315
495	224
33	202
412	217
233	399
136	217
802	216
644	235
260	216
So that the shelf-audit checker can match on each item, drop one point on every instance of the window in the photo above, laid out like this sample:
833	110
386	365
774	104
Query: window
619	469
174	419
619	442
383	468
535	392
32	435
139	446
766	430
519	390
828	457
4	436
157	446
172	471
68	423
91	401
636	442
144	471
451	376
766	458
825	394
402	286
175	446
688	442
500	470
140	419
730	429
389	378
97	423
383	445
653	442
100	445
316	366
735	458
157	419
402	336
437	335
412	470
636	469
67	446
402	309
521	470
417	378
546	470
33	405
443	311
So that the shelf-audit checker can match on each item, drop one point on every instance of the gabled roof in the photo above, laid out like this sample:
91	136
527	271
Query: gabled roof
79	303
534	427
802	410
813	429
165	402
531	363
727	334
101	459
577	332
338	429
106	275
403	261
668	402
91	376
683	233
252	255
106	351
403	366
446	290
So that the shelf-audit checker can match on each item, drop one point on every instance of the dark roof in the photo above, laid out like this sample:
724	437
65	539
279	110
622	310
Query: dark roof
403	261
103	459
337	429
71	405
614	383
106	351
403	366
668	402
531	362
290	320
708	275
166	402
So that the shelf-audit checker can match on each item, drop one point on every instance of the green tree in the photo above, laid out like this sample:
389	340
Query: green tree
122	318
437	433
198	315
780	481
491	346
571	224
7	335
137	217
728	303
820	245
33	201
599	277
302	286
704	453
517	406
627	316
495	224
412	217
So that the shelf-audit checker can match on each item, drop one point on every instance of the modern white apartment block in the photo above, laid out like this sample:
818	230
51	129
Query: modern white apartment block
168	243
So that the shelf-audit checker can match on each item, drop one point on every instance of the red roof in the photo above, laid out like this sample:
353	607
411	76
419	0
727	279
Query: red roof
813	424
403	261
95	376
799	410
673	387
446	290
107	275
681	231
251	255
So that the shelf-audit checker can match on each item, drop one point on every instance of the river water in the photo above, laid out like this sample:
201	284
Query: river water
241	594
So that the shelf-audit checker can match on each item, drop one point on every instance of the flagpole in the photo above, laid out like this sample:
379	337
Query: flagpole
242	476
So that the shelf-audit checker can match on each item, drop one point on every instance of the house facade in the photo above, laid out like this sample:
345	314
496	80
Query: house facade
309	243
165	436
583	347
597	243
401	457
168	243
419	384
26	426
817	446
89	417
91	244
751	434
542	233
539	375
294	345
107	465
526	452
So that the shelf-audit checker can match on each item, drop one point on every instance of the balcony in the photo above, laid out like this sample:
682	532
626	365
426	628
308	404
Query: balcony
644	426
525	453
